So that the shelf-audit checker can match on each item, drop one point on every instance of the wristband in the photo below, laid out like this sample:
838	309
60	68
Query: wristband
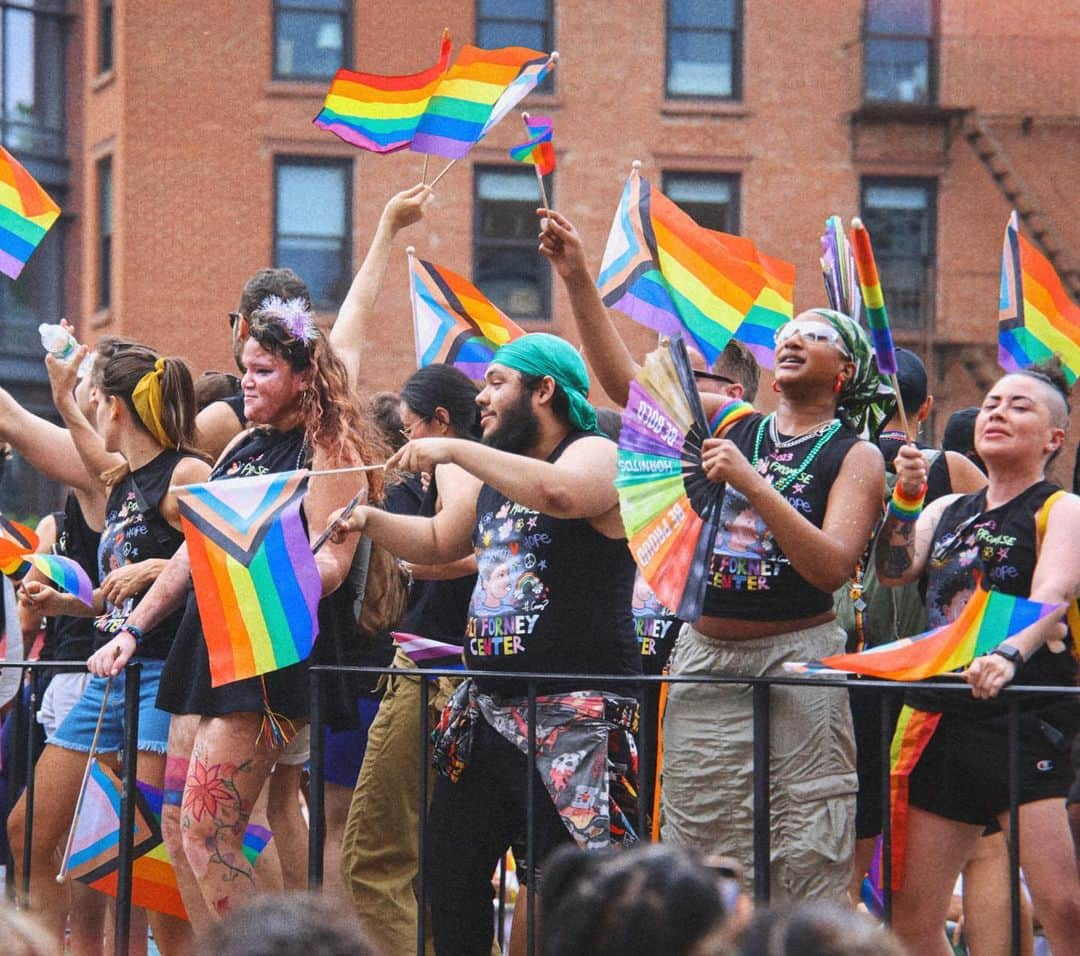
1011	653
904	508
136	632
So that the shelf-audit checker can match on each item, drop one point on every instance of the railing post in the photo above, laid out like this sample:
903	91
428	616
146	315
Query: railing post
886	803
132	679
422	773
530	826
762	850
1014	823
646	773
23	774
316	788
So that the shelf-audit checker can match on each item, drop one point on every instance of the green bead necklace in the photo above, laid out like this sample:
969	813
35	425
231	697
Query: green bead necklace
768	421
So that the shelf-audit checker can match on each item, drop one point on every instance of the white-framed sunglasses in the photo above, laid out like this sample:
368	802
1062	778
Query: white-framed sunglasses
812	332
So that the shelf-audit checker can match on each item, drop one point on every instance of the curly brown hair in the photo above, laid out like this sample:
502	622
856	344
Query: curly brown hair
330	410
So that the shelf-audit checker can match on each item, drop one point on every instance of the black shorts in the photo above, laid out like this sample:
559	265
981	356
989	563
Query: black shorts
963	774
1074	790
866	707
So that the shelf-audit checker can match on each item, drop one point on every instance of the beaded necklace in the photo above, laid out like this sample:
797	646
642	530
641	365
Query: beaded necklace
824	433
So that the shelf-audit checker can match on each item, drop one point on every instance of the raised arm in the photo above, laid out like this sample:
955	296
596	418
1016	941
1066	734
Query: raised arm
607	353
347	335
443	538
825	556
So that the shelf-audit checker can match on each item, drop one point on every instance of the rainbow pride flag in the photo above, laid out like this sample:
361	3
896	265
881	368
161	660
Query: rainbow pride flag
537	149
255	578
1036	317
453	322
380	113
666	272
66	574
94	858
775	303
27	212
914	730
873	299
988	618
17	543
429	651
479	89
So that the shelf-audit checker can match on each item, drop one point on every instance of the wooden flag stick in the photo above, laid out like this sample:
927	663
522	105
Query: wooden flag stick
536	167
423	177
62	874
446	169
900	409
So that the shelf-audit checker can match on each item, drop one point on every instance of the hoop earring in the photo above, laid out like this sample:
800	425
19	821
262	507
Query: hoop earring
838	384
776	387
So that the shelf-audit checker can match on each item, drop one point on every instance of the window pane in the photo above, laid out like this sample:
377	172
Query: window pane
318	262
309	44
702	13
311	201
899	16
18	72
700	63
492	34
707	198
512	281
898	218
897	71
521	9
105	36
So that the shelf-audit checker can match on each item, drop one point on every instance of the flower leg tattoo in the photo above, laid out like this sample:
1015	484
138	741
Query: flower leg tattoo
213	819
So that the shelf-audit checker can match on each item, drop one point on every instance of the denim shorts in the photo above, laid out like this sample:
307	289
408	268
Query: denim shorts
77	730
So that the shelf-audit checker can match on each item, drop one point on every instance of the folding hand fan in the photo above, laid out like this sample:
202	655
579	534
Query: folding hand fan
670	510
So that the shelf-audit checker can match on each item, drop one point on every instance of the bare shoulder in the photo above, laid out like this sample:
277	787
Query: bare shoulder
190	470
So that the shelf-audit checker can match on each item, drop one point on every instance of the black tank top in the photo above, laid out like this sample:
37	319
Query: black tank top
135	531
72	638
750	578
938	480
552	594
236	405
999	544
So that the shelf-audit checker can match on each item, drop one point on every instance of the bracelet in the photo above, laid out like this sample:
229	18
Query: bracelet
904	508
136	632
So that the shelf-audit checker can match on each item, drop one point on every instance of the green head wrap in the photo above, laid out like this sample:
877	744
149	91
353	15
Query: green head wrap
866	400
541	354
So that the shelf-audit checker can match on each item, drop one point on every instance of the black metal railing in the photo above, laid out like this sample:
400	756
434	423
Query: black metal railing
22	772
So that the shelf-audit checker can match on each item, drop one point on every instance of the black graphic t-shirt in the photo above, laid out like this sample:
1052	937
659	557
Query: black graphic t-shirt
552	595
997	545
72	638
655	627
135	531
750	578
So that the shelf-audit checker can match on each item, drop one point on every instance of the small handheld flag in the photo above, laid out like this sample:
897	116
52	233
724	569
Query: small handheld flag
66	574
1036	317
27	212
380	113
838	270
537	149
870	284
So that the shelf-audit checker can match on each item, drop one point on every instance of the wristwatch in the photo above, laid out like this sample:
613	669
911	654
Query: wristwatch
1010	652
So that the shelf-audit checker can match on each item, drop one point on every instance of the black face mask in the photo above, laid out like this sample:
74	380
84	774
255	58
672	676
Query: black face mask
517	429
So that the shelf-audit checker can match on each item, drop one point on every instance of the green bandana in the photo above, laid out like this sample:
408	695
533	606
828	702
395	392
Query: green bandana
541	354
866	400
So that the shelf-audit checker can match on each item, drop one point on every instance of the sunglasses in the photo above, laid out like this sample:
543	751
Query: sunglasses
234	317
812	332
712	377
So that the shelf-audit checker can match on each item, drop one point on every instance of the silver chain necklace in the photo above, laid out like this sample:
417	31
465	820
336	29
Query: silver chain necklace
815	432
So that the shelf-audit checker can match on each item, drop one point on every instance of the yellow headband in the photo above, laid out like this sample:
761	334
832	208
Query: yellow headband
147	401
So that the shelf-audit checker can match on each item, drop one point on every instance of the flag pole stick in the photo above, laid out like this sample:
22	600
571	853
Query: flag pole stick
423	177
62	874
900	408
446	169
536	168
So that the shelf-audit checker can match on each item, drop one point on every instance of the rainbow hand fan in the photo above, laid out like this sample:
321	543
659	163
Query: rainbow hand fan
670	510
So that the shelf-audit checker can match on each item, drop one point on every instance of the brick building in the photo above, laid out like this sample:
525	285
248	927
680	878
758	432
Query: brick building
180	143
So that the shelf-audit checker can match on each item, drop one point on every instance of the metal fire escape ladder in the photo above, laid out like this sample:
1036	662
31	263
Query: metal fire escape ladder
1039	227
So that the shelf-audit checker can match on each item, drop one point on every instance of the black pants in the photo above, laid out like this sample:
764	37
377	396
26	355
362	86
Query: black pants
471	825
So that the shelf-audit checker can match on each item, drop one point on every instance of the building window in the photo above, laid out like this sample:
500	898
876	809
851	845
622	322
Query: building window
312	225
899	51
704	48
105	36
900	216
312	38
528	23
506	264
32	77
105	231
711	199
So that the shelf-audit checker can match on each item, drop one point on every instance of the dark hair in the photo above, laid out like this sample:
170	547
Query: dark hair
287	924
119	374
816	929
284	283
330	410
911	375
646	900
385	410
560	401
213	387
444	386
609	422
738	363
1052	373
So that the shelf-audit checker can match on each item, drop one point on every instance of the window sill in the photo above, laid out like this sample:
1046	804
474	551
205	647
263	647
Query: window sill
102	80
880	112
709	109
297	89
